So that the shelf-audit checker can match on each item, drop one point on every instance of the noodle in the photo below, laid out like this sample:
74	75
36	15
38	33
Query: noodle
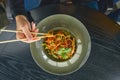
61	46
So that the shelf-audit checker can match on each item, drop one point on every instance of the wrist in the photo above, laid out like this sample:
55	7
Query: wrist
19	17
20	21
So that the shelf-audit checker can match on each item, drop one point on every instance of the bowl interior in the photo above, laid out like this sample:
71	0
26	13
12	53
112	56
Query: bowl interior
64	30
83	44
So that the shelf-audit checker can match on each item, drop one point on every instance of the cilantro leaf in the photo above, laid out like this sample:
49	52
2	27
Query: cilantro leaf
63	52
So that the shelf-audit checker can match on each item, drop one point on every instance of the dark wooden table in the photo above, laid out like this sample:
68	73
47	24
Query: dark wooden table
16	62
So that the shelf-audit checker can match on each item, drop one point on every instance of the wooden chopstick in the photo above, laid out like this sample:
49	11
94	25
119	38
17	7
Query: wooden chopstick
8	41
22	32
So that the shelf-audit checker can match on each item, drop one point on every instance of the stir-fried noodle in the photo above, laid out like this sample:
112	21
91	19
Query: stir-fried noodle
61	46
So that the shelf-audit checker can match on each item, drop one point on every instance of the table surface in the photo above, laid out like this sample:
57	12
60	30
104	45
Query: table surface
16	62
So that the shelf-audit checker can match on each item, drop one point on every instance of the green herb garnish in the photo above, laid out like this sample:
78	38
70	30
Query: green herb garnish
63	52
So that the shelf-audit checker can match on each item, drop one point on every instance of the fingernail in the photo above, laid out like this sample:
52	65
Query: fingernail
34	24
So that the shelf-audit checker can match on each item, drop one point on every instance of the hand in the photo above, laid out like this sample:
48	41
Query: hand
24	26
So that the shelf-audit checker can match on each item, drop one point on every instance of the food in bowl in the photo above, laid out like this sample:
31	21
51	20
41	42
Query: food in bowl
62	46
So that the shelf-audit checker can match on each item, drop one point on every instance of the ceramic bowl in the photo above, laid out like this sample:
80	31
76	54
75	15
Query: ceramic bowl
83	45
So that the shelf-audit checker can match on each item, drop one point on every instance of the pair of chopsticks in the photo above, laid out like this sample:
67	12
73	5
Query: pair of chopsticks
42	35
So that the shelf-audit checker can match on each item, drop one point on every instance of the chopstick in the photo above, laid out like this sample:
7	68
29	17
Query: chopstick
44	35
8	41
22	32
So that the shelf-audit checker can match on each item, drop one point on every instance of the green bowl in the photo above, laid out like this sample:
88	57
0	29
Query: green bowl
83	45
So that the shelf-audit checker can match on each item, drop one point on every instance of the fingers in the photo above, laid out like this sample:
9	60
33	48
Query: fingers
37	30
26	36
34	28
27	32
